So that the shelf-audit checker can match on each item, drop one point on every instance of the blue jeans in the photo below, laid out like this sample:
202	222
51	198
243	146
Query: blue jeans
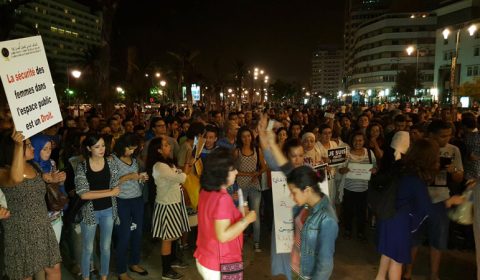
254	198
130	212
104	218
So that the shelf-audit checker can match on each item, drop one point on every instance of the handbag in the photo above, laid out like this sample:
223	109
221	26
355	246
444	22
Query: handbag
56	200
74	213
231	271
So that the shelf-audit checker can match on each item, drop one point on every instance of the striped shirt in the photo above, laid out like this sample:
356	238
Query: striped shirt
131	188
359	185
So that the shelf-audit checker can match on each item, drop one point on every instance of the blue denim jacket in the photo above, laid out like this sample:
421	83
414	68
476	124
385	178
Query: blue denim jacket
318	241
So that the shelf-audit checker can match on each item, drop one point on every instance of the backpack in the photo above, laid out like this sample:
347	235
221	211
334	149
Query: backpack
382	194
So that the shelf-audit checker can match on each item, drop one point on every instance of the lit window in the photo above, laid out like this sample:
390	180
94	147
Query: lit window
74	20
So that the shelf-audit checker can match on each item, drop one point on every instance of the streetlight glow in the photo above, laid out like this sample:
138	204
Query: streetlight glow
445	33
410	50
472	29
261	72
76	74
163	83
230	90
146	75
157	75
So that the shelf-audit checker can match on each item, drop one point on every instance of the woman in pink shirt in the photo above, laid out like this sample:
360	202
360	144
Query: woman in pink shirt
220	223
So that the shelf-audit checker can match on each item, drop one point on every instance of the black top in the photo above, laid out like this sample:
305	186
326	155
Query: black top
99	181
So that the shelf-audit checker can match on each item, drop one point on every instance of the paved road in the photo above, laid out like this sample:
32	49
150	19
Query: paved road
353	260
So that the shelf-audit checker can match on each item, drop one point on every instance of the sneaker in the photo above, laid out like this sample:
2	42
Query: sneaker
171	275
179	264
257	248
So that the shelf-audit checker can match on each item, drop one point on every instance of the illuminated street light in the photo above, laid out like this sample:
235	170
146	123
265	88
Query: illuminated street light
163	83
410	50
445	33
261	72
146	75
230	90
472	29
157	75
76	74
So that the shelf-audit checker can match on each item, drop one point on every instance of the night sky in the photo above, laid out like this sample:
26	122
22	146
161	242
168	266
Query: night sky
278	36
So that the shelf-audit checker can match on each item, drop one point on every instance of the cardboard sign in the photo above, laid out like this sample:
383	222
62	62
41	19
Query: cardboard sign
359	171
28	85
282	209
337	156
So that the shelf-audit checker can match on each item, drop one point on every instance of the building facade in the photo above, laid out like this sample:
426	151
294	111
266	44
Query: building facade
462	19
327	71
68	30
379	53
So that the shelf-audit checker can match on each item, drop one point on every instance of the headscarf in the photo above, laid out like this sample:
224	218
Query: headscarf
400	143
38	142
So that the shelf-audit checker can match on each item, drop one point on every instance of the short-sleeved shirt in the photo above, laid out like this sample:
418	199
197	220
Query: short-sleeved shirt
439	190
131	188
210	252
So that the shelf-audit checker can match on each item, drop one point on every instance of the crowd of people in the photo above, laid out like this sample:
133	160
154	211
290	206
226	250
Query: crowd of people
198	178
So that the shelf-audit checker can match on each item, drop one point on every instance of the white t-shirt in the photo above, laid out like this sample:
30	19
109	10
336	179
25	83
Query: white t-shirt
440	192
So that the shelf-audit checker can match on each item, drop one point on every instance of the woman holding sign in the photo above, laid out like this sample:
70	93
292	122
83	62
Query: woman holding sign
324	144
30	243
355	189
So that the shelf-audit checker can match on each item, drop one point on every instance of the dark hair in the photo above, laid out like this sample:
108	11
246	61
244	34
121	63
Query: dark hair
154	120
468	120
280	130
289	144
109	140
125	141
358	133
304	176
211	128
427	167
323	127
215	169
239	137
126	120
154	156
8	145
138	127
195	129
368	132
436	125
90	140
400	118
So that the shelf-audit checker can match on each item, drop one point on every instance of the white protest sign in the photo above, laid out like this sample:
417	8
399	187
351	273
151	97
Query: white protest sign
28	85
282	209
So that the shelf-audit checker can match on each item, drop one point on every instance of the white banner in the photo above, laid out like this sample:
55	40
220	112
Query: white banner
28	85
282	209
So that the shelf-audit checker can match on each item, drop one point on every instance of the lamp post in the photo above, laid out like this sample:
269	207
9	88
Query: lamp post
75	74
472	29
410	50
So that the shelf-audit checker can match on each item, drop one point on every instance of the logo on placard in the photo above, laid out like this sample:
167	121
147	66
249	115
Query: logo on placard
5	53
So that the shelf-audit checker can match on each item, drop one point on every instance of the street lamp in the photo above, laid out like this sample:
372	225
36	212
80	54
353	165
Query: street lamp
163	83
410	50
446	32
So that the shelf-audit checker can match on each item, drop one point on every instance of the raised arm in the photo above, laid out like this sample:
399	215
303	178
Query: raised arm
267	141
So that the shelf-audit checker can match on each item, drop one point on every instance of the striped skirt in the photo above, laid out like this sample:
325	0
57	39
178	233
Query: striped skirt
170	221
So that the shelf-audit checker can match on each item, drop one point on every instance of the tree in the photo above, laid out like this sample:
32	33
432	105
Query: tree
109	8
185	69
407	82
284	91
470	88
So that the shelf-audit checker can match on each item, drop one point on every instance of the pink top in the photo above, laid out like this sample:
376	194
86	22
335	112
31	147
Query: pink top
216	206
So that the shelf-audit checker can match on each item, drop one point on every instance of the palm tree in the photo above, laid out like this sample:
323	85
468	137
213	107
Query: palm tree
109	8
185	70
239	77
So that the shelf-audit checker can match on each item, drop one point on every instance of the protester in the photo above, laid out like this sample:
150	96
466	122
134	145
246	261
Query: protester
97	182
220	223
30	245
130	207
315	226
170	219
